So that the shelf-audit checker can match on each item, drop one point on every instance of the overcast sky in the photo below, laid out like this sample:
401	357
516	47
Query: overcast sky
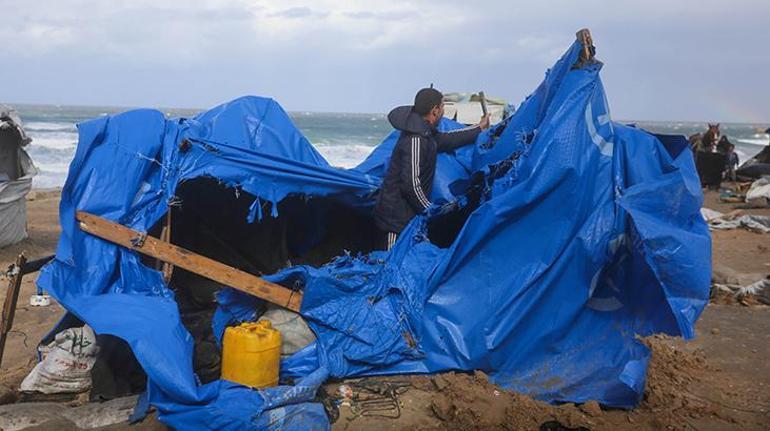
664	60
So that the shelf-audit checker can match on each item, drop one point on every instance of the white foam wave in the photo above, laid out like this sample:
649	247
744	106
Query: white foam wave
54	140
51	173
48	180
760	142
344	156
46	126
52	161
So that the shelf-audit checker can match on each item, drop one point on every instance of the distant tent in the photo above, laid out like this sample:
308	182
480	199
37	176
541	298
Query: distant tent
757	166
466	108
16	172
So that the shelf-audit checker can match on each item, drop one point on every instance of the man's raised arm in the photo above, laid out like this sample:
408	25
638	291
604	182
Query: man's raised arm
448	141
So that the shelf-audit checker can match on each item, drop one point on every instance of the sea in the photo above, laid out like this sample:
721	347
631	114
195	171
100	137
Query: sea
344	139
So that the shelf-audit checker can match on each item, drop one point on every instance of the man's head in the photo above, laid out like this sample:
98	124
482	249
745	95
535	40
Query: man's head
428	103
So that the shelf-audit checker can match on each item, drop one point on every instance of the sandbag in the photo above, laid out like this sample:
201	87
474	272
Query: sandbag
295	334
66	365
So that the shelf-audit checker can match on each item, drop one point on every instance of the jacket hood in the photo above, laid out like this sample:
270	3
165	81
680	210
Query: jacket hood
406	120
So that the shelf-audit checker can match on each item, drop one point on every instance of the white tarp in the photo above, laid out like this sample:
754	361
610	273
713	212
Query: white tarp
735	220
759	193
16	172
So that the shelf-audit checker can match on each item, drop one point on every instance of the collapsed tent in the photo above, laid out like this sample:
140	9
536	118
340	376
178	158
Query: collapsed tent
757	166
557	240
16	172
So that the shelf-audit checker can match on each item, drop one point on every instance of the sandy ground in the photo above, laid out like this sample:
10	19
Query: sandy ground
720	380
30	323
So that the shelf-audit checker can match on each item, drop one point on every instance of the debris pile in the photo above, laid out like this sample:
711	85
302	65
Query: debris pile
736	219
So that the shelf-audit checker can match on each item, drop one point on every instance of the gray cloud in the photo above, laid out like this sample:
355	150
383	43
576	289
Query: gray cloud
684	60
299	12
384	16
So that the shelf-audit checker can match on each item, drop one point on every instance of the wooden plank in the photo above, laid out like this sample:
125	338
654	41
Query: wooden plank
190	261
11	298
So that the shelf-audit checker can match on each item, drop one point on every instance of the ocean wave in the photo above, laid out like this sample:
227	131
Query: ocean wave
760	142
54	141
43	127
344	156
51	172
50	155
48	180
53	168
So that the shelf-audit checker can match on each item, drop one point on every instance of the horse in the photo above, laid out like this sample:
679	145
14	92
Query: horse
710	138
708	163
705	141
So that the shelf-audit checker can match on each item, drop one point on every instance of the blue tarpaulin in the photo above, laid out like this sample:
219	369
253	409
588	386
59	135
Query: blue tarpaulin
560	237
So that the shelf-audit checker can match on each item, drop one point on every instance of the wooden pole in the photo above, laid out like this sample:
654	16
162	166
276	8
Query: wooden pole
483	101
11	298
186	259
585	39
165	236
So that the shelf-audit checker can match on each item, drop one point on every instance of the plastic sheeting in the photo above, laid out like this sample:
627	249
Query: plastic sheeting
566	235
16	173
13	203
759	192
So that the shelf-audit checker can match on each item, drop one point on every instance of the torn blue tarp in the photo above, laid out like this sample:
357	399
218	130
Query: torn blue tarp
567	236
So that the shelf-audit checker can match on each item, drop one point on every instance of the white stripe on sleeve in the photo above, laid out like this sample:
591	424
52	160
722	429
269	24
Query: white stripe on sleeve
416	172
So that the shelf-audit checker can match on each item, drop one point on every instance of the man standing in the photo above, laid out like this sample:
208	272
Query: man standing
409	179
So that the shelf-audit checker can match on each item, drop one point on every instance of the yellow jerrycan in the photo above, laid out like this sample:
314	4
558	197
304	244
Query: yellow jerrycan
251	354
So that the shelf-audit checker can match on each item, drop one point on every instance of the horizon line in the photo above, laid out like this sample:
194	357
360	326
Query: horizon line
303	111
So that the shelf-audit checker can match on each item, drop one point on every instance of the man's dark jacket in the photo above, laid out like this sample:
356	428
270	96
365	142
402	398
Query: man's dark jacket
409	179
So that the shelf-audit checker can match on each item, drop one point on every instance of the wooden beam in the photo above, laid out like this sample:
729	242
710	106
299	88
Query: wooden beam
190	261
587	53
16	272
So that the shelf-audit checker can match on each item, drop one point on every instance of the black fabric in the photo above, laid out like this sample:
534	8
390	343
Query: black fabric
426	99
710	167
753	171
724	144
409	178
763	156
757	166
386	240
116	372
10	166
674	144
